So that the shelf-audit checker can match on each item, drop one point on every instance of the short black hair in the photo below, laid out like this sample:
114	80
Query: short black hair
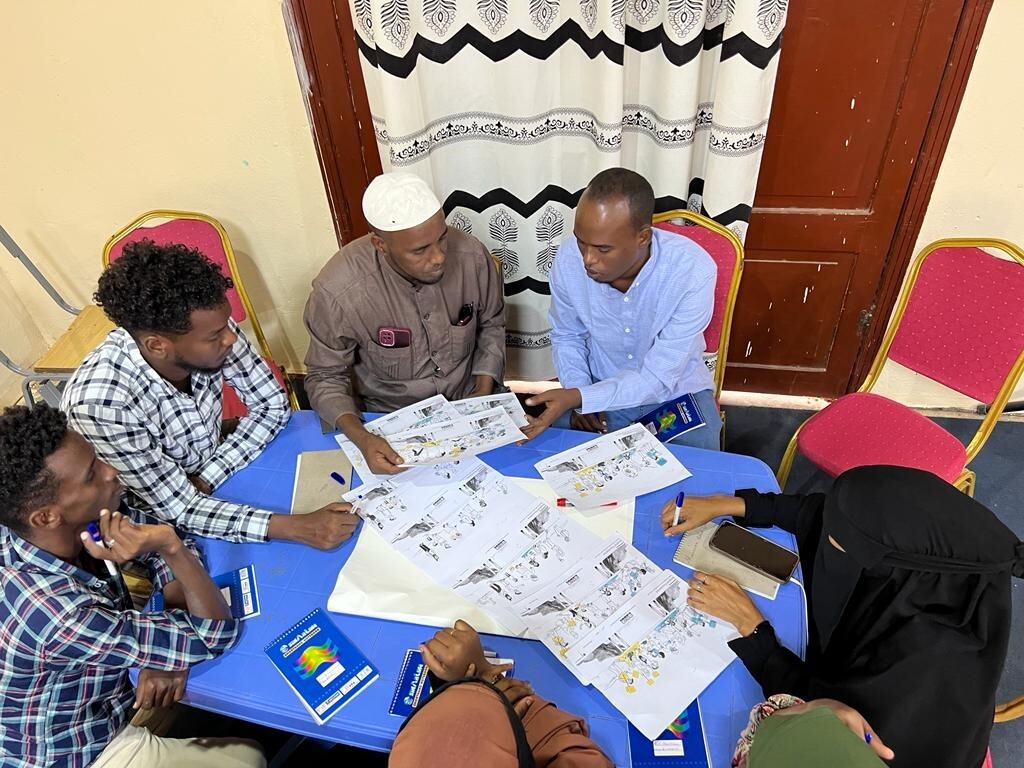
624	184
27	437
156	288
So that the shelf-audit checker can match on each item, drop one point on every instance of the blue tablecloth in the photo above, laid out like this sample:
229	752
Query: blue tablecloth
294	579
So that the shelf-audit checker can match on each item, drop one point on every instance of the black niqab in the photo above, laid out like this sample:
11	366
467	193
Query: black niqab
912	619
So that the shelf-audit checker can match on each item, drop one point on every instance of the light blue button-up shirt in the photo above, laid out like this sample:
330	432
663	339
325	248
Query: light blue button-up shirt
641	347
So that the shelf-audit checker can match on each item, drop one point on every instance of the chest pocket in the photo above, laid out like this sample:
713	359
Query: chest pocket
389	363
463	341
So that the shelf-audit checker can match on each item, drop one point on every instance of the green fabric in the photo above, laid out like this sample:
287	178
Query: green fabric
812	739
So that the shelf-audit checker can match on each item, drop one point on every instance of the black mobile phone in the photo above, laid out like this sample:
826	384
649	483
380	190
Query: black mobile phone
765	557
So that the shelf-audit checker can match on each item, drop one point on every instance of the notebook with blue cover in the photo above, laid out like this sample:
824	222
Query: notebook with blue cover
413	687
681	745
237	586
239	590
321	665
673	418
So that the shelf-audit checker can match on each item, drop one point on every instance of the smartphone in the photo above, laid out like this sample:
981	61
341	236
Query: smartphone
391	336
766	557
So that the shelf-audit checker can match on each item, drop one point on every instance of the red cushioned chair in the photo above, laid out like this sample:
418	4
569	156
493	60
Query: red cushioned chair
959	321
206	235
727	251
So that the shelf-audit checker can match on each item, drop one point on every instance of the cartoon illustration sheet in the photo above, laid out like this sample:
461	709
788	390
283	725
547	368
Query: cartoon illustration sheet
654	656
506	400
459	438
614	467
582	600
433	410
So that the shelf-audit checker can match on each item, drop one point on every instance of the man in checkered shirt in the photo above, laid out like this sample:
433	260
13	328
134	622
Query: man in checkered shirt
149	399
69	632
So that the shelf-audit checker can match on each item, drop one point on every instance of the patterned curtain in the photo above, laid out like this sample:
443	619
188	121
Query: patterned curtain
509	107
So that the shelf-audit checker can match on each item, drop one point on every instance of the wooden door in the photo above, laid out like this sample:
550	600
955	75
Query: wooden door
858	86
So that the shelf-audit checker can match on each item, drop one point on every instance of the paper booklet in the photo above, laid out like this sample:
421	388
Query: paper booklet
314	487
694	551
612	467
240	593
321	665
683	744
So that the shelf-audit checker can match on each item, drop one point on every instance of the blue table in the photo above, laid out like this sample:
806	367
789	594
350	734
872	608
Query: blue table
294	579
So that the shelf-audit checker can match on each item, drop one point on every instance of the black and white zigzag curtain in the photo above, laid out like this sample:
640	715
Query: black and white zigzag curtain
509	107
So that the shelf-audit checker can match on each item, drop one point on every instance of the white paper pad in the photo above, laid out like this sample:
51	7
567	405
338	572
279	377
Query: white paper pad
694	551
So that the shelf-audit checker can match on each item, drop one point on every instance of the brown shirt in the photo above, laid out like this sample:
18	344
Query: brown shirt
358	292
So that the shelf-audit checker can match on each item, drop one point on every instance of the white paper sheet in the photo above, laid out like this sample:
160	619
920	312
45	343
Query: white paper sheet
506	400
694	551
586	596
655	655
614	467
379	581
433	410
455	439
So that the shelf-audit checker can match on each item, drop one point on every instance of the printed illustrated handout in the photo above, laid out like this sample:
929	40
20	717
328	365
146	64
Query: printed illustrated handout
655	655
506	400
433	410
586	596
614	467
459	438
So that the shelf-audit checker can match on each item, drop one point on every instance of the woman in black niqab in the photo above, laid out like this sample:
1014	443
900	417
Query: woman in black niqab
908	584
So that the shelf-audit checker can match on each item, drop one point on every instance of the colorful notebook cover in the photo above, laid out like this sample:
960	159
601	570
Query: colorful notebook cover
673	418
321	665
239	590
681	745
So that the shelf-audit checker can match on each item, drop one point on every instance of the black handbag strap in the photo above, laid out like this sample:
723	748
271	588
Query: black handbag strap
523	752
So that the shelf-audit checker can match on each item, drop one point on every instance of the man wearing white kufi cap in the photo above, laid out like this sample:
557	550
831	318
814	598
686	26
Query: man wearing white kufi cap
411	310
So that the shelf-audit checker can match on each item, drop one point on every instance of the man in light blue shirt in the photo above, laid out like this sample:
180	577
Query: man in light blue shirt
629	305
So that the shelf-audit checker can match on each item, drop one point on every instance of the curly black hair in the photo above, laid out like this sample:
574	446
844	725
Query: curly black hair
27	437
157	287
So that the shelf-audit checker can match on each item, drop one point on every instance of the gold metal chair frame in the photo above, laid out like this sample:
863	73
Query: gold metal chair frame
968	479
229	253
734	284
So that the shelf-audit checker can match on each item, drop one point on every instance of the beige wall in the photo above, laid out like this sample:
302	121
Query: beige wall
110	109
980	187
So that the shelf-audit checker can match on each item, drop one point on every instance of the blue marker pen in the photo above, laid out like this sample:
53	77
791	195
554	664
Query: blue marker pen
679	508
867	737
94	534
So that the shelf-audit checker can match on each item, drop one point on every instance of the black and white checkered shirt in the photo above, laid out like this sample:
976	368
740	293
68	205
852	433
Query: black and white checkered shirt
156	436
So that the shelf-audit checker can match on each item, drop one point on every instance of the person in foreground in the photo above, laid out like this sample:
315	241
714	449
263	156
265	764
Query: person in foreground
411	310
70	633
149	399
908	584
477	717
629	305
786	731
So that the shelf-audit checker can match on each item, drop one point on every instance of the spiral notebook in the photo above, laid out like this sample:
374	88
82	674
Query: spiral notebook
322	666
694	551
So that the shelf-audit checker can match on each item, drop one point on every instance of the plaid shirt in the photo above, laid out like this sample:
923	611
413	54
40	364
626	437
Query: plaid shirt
65	650
155	436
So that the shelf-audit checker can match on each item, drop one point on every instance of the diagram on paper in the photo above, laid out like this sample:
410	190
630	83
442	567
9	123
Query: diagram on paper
614	467
459	438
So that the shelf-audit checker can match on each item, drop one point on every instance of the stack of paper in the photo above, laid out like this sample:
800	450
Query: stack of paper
435	430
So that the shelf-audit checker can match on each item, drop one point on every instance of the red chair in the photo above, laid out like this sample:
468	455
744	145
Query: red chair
959	321
727	251
206	235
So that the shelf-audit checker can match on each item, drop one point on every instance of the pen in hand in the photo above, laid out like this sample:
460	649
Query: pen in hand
94	534
679	508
